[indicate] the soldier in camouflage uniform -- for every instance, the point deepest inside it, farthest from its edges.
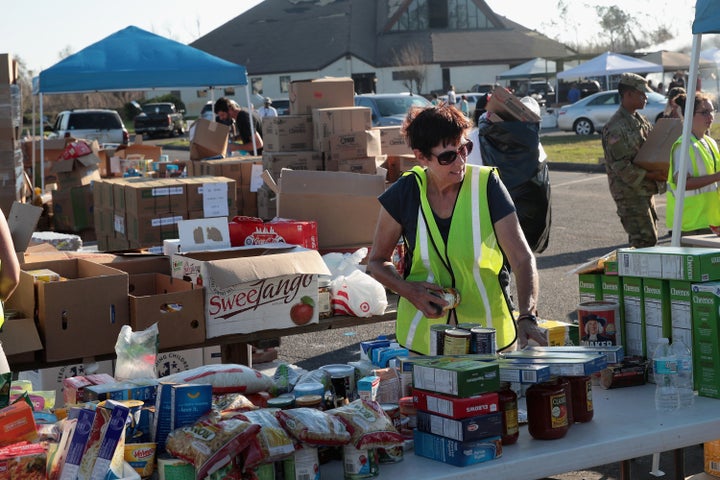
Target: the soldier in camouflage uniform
(631, 186)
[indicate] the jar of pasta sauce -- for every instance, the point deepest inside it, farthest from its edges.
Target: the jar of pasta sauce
(507, 399)
(582, 401)
(547, 406)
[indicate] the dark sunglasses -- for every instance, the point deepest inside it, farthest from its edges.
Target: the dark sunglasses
(446, 158)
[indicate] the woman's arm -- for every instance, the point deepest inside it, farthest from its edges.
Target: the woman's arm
(380, 266)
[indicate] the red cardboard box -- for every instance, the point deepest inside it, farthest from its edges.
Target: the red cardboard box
(253, 231)
(454, 407)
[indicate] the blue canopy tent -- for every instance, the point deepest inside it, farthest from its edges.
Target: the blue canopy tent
(707, 20)
(135, 59)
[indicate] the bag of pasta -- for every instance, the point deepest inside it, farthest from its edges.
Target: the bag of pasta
(273, 441)
(368, 424)
(313, 427)
(210, 441)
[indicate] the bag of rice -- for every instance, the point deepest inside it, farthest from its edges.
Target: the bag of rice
(368, 424)
(313, 427)
(225, 378)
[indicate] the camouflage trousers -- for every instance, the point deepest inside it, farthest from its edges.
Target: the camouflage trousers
(639, 219)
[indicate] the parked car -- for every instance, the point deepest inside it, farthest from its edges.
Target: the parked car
(472, 98)
(105, 126)
(587, 88)
(590, 114)
(207, 111)
(282, 105)
(389, 109)
(160, 118)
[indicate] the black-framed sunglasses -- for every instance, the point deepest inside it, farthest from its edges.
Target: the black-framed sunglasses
(446, 158)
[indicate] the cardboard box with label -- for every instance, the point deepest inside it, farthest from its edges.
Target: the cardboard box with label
(91, 302)
(255, 288)
(210, 139)
(52, 378)
(174, 304)
(392, 141)
(276, 161)
(211, 196)
(76, 172)
(509, 107)
(346, 146)
(305, 95)
(655, 152)
(328, 122)
(253, 231)
(365, 165)
(344, 205)
(287, 133)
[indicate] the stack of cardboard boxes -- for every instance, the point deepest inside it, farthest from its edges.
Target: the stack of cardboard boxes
(12, 180)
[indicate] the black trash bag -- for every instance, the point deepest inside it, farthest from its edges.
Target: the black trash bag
(512, 147)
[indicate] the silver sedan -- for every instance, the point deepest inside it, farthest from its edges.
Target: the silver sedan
(590, 114)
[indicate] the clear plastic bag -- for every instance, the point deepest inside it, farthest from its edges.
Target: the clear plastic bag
(136, 353)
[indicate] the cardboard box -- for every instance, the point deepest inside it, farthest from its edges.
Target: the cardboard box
(392, 142)
(174, 304)
(151, 197)
(344, 205)
(454, 407)
(694, 264)
(148, 152)
(275, 162)
(681, 311)
(255, 288)
(178, 406)
(509, 107)
(149, 230)
(91, 303)
(210, 139)
(287, 133)
(457, 377)
(239, 169)
(306, 95)
(328, 122)
(590, 287)
(73, 209)
(706, 338)
(633, 315)
(177, 361)
(213, 196)
(464, 430)
(654, 154)
(364, 165)
(561, 363)
(8, 68)
(453, 452)
(522, 373)
(346, 146)
(656, 299)
(253, 231)
(20, 340)
(76, 172)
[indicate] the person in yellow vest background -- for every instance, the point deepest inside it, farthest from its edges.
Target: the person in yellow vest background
(701, 204)
(9, 276)
(456, 221)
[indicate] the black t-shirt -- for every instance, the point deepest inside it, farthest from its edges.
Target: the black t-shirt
(242, 127)
(402, 201)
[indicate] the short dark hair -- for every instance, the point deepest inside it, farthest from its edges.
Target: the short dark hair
(223, 104)
(425, 127)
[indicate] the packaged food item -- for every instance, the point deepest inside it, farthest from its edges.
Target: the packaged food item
(273, 443)
(368, 424)
(313, 427)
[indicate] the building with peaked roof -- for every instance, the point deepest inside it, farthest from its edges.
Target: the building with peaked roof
(384, 45)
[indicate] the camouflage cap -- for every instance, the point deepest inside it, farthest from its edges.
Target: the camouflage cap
(635, 81)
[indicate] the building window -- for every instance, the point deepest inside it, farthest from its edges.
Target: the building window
(201, 93)
(229, 91)
(256, 85)
(442, 14)
(284, 83)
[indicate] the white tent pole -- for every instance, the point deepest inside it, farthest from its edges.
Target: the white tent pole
(684, 154)
(250, 118)
(32, 142)
(42, 149)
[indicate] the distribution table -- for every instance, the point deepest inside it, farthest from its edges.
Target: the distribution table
(625, 426)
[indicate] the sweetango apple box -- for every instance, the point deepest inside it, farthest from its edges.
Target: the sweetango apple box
(248, 289)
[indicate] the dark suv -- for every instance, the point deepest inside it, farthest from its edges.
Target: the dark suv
(105, 126)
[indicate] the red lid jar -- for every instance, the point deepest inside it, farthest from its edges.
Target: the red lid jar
(547, 409)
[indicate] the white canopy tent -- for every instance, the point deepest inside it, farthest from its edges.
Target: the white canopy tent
(608, 64)
(707, 20)
(134, 59)
(535, 68)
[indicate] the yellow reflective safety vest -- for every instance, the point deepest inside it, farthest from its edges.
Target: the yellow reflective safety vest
(470, 261)
(701, 206)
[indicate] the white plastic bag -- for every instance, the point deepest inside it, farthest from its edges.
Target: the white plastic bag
(358, 294)
(136, 353)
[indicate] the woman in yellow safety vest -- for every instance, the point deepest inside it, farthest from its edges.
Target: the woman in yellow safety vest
(456, 222)
(701, 204)
(9, 277)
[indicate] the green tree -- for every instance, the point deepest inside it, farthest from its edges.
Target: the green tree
(620, 27)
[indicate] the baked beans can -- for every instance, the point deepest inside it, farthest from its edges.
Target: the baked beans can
(482, 340)
(359, 462)
(456, 342)
(437, 337)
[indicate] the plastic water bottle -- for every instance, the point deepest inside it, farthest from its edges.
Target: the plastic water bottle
(684, 381)
(667, 398)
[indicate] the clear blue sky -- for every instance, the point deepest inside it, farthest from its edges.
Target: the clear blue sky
(39, 33)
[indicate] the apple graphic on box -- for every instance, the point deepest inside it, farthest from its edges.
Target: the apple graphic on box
(301, 313)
